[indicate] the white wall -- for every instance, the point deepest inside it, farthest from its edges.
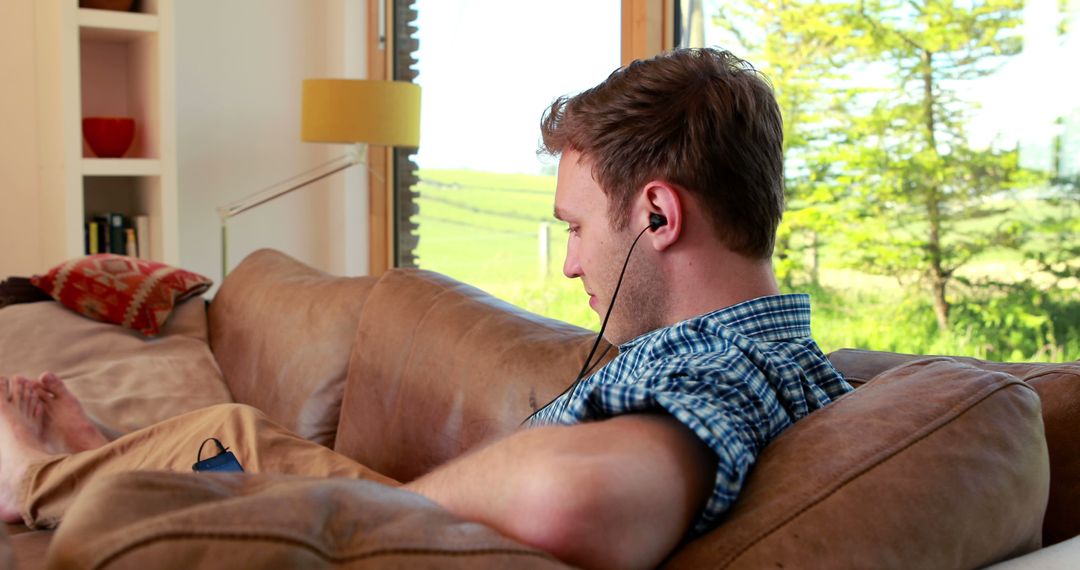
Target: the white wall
(240, 65)
(239, 70)
(20, 253)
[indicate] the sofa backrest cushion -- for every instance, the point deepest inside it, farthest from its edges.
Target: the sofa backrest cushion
(936, 464)
(441, 366)
(125, 380)
(1058, 386)
(282, 332)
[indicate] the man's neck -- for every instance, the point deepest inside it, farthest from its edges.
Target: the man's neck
(699, 285)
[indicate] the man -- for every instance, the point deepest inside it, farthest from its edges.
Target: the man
(680, 155)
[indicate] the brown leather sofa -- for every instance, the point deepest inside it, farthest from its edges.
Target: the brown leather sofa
(931, 463)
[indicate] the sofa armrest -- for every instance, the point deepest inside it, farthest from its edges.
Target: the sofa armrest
(281, 333)
(440, 366)
(934, 464)
(1058, 385)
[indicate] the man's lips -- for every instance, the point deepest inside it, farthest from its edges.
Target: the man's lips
(592, 298)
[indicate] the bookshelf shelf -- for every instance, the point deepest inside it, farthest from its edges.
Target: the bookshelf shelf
(121, 167)
(105, 25)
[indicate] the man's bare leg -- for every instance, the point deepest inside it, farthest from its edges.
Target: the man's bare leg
(20, 442)
(65, 426)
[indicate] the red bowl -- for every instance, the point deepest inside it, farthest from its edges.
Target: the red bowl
(109, 137)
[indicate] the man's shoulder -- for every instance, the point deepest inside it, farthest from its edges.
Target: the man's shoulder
(716, 352)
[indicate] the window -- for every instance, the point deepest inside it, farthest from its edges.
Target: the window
(932, 157)
(475, 200)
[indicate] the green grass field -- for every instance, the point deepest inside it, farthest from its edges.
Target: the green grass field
(484, 229)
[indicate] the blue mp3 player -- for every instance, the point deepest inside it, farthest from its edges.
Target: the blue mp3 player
(223, 462)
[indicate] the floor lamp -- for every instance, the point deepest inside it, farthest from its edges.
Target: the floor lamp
(354, 111)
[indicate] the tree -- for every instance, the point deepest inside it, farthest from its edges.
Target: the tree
(875, 130)
(1053, 236)
(930, 200)
(804, 48)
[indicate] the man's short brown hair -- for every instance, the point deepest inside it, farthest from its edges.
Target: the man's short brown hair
(701, 119)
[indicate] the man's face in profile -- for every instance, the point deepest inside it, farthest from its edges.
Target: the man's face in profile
(595, 251)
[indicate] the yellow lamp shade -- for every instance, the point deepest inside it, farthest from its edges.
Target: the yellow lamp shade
(353, 110)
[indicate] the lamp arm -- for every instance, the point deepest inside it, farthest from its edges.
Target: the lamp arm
(355, 155)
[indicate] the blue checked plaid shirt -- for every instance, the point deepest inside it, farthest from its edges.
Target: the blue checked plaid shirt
(736, 377)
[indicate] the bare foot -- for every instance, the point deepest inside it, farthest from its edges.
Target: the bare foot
(23, 396)
(66, 428)
(20, 442)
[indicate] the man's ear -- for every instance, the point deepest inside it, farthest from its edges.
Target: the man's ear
(665, 199)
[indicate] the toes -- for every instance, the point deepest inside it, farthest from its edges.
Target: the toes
(43, 394)
(21, 393)
(31, 397)
(5, 389)
(52, 383)
(18, 391)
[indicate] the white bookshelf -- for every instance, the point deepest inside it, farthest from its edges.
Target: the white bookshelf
(121, 167)
(108, 25)
(112, 64)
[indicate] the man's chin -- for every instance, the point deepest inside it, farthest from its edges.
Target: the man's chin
(614, 334)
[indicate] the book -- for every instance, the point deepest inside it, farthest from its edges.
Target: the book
(142, 236)
(130, 249)
(117, 238)
(92, 232)
(102, 222)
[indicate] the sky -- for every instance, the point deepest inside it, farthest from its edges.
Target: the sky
(489, 68)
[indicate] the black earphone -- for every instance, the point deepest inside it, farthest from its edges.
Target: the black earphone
(656, 221)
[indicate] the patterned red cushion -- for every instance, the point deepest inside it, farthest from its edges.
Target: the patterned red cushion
(133, 293)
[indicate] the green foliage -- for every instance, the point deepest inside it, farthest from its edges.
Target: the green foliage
(802, 49)
(1013, 323)
(875, 130)
(982, 257)
(1052, 236)
(920, 179)
(484, 234)
(483, 228)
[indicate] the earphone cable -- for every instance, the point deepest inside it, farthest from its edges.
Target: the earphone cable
(589, 365)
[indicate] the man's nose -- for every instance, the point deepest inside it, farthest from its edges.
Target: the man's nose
(571, 268)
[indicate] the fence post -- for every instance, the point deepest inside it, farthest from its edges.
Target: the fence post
(542, 239)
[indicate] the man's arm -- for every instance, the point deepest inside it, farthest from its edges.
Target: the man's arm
(616, 493)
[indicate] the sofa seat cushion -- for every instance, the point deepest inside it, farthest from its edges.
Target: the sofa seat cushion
(30, 549)
(175, 520)
(125, 380)
(1058, 385)
(282, 333)
(935, 464)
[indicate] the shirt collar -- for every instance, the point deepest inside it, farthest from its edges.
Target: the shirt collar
(768, 318)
